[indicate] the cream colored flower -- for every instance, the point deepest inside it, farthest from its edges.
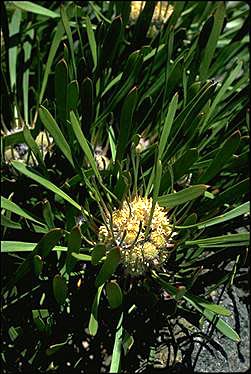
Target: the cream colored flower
(43, 140)
(141, 246)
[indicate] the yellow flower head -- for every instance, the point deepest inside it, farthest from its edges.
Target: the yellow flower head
(145, 241)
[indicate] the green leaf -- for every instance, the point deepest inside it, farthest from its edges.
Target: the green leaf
(86, 96)
(98, 252)
(34, 147)
(81, 256)
(51, 125)
(42, 248)
(38, 316)
(112, 142)
(72, 95)
(44, 182)
(191, 219)
(111, 42)
(236, 212)
(130, 66)
(231, 194)
(117, 347)
(221, 158)
(7, 222)
(182, 197)
(122, 185)
(184, 120)
(221, 325)
(74, 244)
(48, 214)
(123, 9)
(167, 125)
(61, 82)
(130, 74)
(14, 26)
(220, 94)
(27, 55)
(182, 164)
(109, 266)
(212, 41)
(52, 349)
(37, 265)
(48, 242)
(127, 342)
(14, 208)
(92, 41)
(15, 138)
(67, 27)
(14, 332)
(157, 179)
(83, 144)
(180, 167)
(126, 122)
(143, 22)
(215, 308)
(29, 6)
(240, 239)
(60, 289)
(93, 322)
(54, 46)
(114, 294)
(180, 292)
(192, 299)
(11, 246)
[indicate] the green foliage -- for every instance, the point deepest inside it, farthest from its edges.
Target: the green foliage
(128, 107)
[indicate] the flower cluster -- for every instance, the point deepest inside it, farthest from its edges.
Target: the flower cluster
(162, 12)
(145, 240)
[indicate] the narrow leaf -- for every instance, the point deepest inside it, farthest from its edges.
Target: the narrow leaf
(67, 27)
(212, 41)
(83, 143)
(117, 348)
(74, 244)
(51, 125)
(29, 6)
(61, 82)
(52, 349)
(236, 212)
(44, 182)
(60, 289)
(126, 122)
(97, 253)
(167, 125)
(182, 197)
(34, 147)
(93, 322)
(38, 265)
(92, 41)
(109, 266)
(42, 248)
(238, 239)
(12, 247)
(81, 256)
(54, 46)
(114, 294)
(127, 342)
(14, 208)
(222, 157)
